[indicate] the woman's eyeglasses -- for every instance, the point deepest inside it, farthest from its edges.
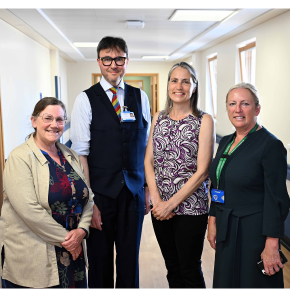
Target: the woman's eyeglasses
(47, 118)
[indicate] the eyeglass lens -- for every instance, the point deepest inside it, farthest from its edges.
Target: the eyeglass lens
(107, 61)
(47, 118)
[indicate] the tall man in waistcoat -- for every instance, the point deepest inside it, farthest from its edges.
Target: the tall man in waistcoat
(112, 151)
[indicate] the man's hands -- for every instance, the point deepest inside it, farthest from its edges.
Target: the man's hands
(73, 242)
(96, 219)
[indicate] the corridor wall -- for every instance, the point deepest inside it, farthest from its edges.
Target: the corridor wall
(272, 75)
(25, 73)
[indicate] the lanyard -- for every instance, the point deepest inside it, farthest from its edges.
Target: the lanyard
(226, 154)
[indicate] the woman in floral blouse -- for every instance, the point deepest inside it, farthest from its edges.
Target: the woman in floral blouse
(47, 208)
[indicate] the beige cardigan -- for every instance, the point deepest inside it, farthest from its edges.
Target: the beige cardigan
(27, 230)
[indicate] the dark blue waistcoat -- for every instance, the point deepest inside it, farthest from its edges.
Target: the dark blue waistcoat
(117, 149)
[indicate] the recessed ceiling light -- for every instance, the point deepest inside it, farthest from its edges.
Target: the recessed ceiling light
(155, 56)
(85, 45)
(200, 15)
(134, 24)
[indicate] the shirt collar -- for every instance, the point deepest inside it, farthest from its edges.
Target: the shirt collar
(106, 85)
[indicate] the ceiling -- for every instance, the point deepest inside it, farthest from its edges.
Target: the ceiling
(60, 28)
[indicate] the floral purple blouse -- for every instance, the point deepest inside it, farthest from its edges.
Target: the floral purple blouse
(175, 151)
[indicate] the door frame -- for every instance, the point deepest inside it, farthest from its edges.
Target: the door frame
(154, 81)
(2, 154)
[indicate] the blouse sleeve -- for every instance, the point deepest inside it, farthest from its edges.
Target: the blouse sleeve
(276, 198)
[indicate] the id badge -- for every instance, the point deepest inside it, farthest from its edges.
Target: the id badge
(217, 196)
(127, 116)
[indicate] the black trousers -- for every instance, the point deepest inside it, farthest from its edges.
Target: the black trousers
(181, 243)
(122, 220)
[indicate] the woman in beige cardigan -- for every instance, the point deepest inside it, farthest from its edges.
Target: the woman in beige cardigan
(47, 208)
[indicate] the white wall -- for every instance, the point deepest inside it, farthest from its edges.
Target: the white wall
(79, 79)
(63, 73)
(80, 76)
(24, 73)
(272, 75)
(63, 64)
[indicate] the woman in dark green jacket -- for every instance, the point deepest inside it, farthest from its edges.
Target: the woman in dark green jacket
(249, 198)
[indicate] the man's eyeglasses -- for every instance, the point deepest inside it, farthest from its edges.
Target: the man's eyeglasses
(107, 60)
(47, 118)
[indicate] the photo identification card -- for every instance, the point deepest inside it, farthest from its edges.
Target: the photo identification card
(217, 196)
(127, 116)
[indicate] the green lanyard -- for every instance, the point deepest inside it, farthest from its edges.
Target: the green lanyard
(226, 154)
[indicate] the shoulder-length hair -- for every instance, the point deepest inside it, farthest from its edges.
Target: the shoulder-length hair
(194, 98)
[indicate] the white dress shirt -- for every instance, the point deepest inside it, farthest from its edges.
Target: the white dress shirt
(81, 116)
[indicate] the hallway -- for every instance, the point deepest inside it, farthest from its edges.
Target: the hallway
(250, 45)
(152, 267)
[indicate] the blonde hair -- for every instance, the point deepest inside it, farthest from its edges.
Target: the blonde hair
(248, 86)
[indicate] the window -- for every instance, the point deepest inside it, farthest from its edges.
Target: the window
(247, 57)
(212, 67)
(246, 65)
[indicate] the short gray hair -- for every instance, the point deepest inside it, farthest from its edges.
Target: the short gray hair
(248, 86)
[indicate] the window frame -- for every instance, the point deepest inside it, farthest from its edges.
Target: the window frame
(242, 49)
(215, 57)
